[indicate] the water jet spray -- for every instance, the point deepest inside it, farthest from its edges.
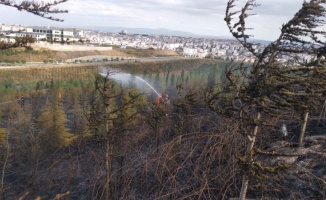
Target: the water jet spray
(125, 78)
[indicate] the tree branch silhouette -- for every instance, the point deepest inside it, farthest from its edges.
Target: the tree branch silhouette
(44, 10)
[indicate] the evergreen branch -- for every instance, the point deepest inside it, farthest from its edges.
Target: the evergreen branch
(36, 8)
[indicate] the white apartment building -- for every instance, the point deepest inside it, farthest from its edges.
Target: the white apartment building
(8, 40)
(40, 37)
(202, 53)
(221, 52)
(6, 27)
(172, 46)
(78, 32)
(10, 37)
(190, 52)
(57, 34)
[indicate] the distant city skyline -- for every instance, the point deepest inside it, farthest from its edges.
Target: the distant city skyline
(203, 17)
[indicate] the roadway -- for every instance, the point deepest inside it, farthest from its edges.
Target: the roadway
(132, 60)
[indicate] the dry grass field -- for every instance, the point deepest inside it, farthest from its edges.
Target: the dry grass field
(38, 55)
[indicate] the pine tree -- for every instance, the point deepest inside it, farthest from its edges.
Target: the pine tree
(3, 135)
(132, 103)
(107, 117)
(167, 71)
(52, 122)
(172, 80)
(157, 82)
(184, 110)
(182, 76)
(3, 132)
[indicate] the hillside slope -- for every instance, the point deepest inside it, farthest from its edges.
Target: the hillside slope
(38, 55)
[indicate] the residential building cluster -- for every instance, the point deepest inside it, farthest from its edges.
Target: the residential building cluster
(42, 34)
(186, 46)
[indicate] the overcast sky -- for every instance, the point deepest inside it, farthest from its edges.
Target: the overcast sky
(203, 17)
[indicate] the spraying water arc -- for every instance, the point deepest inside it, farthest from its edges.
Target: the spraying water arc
(148, 85)
(125, 77)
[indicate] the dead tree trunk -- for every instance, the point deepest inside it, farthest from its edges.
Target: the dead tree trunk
(249, 158)
(303, 126)
(108, 161)
(4, 167)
